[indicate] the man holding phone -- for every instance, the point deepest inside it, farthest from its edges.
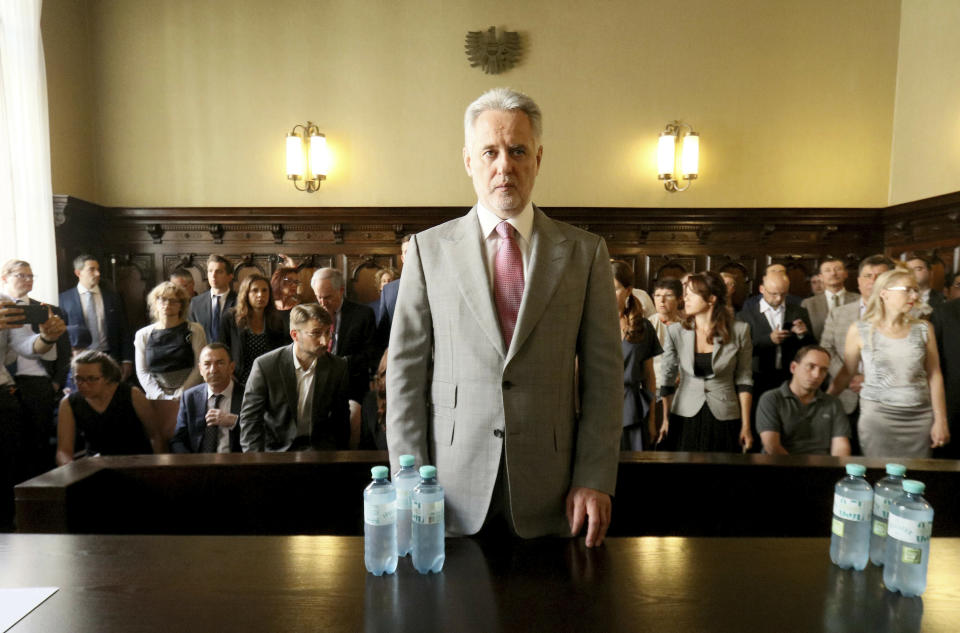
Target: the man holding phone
(21, 340)
(38, 381)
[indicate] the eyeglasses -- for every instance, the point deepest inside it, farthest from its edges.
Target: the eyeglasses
(291, 282)
(908, 289)
(91, 379)
(24, 276)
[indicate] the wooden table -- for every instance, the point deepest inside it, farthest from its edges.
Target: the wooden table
(318, 583)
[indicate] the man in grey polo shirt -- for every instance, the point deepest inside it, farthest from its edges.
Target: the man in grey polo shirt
(797, 418)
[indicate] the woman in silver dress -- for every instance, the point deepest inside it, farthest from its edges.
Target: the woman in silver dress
(903, 411)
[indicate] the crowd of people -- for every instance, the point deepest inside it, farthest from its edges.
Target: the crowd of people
(836, 373)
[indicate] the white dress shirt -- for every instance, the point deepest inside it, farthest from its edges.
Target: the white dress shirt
(223, 443)
(775, 318)
(305, 377)
(522, 223)
(101, 344)
(19, 340)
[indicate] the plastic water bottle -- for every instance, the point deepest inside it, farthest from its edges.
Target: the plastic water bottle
(380, 523)
(884, 493)
(852, 510)
(405, 481)
(908, 541)
(428, 526)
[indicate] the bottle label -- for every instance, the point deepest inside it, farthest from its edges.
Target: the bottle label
(909, 531)
(403, 499)
(879, 527)
(851, 509)
(837, 527)
(911, 555)
(429, 513)
(881, 506)
(380, 513)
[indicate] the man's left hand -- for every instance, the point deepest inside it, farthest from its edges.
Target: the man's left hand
(799, 328)
(593, 505)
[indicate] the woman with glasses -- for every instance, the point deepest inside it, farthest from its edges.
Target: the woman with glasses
(903, 411)
(166, 353)
(254, 326)
(111, 417)
(285, 284)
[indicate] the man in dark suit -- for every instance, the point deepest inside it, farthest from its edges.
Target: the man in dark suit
(778, 330)
(946, 327)
(373, 434)
(95, 315)
(354, 338)
(207, 421)
(207, 307)
(39, 381)
(296, 396)
(754, 300)
(920, 265)
(388, 299)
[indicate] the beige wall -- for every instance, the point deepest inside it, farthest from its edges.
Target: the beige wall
(793, 101)
(925, 160)
(67, 50)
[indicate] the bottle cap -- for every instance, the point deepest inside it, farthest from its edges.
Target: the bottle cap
(379, 472)
(856, 470)
(428, 472)
(913, 486)
(897, 470)
(406, 461)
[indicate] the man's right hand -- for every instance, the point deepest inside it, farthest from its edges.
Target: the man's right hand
(856, 383)
(779, 336)
(11, 317)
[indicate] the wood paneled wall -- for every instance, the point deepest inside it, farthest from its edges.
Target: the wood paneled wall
(140, 247)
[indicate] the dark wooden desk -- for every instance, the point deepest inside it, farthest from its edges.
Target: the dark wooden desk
(318, 583)
(658, 494)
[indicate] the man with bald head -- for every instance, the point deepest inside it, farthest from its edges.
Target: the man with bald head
(753, 301)
(778, 329)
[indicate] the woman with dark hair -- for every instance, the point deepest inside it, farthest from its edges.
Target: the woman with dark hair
(712, 355)
(113, 418)
(640, 344)
(284, 283)
(254, 326)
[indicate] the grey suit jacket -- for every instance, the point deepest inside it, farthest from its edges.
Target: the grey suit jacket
(457, 398)
(268, 418)
(834, 339)
(818, 309)
(732, 365)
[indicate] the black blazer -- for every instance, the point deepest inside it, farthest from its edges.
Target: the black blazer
(119, 339)
(946, 328)
(764, 351)
(191, 419)
(277, 328)
(202, 313)
(357, 343)
(268, 419)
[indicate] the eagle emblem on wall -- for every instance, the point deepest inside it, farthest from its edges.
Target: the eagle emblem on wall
(493, 54)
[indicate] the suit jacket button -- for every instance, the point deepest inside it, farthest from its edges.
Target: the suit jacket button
(498, 433)
(507, 384)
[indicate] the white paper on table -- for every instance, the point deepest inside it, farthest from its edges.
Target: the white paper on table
(17, 603)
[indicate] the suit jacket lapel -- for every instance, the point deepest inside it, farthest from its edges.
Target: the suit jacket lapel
(549, 253)
(465, 252)
(200, 401)
(717, 345)
(689, 342)
(320, 378)
(288, 378)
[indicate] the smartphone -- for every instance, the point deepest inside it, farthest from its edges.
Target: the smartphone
(34, 314)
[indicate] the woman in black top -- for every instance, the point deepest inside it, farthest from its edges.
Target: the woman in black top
(254, 326)
(112, 418)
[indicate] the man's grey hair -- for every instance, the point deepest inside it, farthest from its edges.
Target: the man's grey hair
(334, 275)
(504, 100)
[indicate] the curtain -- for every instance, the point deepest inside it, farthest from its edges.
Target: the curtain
(26, 192)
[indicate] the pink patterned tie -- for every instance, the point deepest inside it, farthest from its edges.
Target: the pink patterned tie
(508, 281)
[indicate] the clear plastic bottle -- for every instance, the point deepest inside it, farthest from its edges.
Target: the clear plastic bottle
(885, 492)
(852, 510)
(428, 525)
(405, 481)
(908, 541)
(380, 523)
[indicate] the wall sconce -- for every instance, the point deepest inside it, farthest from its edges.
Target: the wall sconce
(668, 164)
(307, 157)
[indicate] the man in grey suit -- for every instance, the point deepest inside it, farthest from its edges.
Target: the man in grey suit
(835, 335)
(501, 316)
(833, 273)
(296, 396)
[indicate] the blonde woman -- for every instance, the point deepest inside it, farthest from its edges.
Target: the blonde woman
(166, 353)
(903, 411)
